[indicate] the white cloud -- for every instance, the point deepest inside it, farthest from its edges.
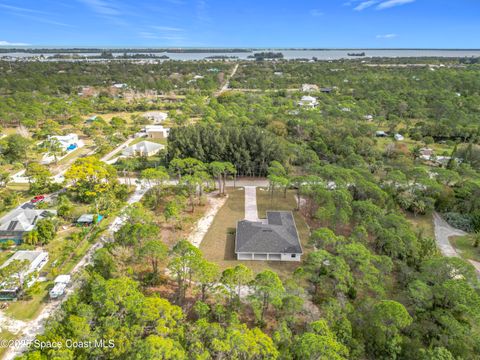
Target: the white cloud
(167, 28)
(387, 36)
(102, 7)
(316, 12)
(8, 43)
(365, 4)
(391, 3)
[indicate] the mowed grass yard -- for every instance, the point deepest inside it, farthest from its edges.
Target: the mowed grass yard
(218, 245)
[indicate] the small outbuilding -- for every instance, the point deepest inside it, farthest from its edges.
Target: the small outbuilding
(89, 219)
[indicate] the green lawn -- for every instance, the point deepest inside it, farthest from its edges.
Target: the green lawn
(464, 246)
(28, 309)
(219, 243)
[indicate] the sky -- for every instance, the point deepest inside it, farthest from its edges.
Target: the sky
(242, 23)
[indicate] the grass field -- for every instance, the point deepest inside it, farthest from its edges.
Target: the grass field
(464, 246)
(28, 309)
(219, 243)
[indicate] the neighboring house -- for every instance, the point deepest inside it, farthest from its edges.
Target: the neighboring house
(398, 137)
(157, 131)
(368, 117)
(157, 117)
(15, 224)
(67, 142)
(143, 148)
(275, 240)
(60, 284)
(120, 86)
(326, 90)
(309, 87)
(89, 219)
(9, 289)
(381, 133)
(308, 101)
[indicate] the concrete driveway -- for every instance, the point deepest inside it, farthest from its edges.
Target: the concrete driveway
(251, 213)
(443, 231)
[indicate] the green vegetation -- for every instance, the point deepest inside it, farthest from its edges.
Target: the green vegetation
(371, 283)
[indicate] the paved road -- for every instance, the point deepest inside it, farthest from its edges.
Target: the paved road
(36, 326)
(443, 231)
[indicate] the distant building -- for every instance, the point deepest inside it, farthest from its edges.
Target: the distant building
(35, 261)
(120, 86)
(143, 148)
(326, 90)
(16, 223)
(368, 117)
(309, 87)
(274, 240)
(157, 131)
(157, 117)
(399, 137)
(60, 284)
(381, 133)
(308, 101)
(67, 142)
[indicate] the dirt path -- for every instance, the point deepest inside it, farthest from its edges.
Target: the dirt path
(226, 86)
(197, 235)
(443, 231)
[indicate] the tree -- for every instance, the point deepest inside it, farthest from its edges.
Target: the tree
(236, 277)
(319, 343)
(4, 178)
(46, 230)
(53, 147)
(91, 177)
(207, 275)
(268, 289)
(16, 147)
(386, 321)
(154, 251)
(157, 177)
(39, 178)
(184, 262)
(13, 275)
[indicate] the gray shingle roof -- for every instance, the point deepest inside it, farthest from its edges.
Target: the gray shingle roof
(278, 235)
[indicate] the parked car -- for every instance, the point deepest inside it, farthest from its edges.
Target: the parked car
(38, 198)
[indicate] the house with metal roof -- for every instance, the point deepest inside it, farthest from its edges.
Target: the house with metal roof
(274, 239)
(143, 148)
(20, 221)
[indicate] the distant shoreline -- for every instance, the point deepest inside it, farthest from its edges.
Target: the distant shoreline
(77, 49)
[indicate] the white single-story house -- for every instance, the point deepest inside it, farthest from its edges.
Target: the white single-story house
(66, 141)
(60, 284)
(308, 101)
(143, 148)
(276, 239)
(20, 221)
(120, 86)
(309, 87)
(157, 131)
(157, 117)
(36, 260)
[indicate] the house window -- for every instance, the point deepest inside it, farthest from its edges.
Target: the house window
(294, 255)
